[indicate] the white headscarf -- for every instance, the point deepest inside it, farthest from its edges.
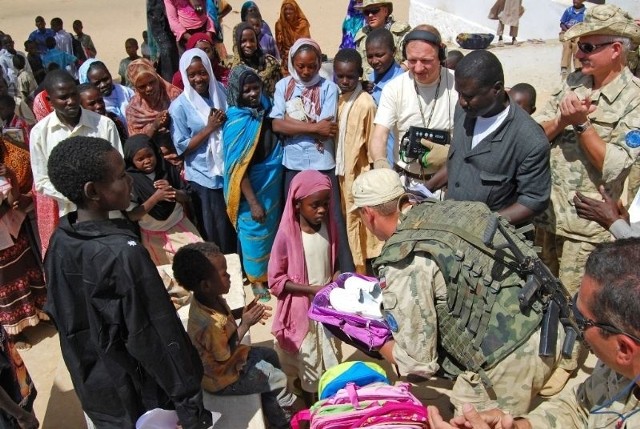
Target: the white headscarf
(204, 110)
(292, 71)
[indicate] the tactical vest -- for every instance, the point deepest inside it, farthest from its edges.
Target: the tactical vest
(481, 322)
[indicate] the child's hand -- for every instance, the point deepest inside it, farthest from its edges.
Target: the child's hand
(22, 203)
(326, 128)
(257, 213)
(162, 120)
(161, 184)
(165, 194)
(255, 313)
(315, 289)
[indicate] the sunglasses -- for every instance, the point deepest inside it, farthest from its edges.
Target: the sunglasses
(373, 11)
(584, 323)
(588, 48)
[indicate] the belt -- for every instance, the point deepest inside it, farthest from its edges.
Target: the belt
(401, 171)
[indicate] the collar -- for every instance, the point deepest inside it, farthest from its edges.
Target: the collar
(388, 75)
(610, 91)
(98, 228)
(55, 122)
(498, 135)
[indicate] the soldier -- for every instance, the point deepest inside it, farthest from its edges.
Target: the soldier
(592, 123)
(606, 312)
(452, 307)
(378, 14)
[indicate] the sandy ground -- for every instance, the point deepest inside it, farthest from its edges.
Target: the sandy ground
(110, 23)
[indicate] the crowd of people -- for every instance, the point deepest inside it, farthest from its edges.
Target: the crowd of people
(393, 165)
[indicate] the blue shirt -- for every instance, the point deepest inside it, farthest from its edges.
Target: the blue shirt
(300, 151)
(186, 123)
(379, 83)
(572, 16)
(40, 38)
(55, 55)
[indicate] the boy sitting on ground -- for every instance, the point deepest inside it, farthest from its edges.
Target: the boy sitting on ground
(230, 368)
(121, 339)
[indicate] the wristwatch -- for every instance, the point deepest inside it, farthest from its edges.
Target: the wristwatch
(581, 128)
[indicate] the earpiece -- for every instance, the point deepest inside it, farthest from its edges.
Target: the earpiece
(425, 36)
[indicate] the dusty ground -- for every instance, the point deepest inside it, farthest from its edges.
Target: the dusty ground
(110, 22)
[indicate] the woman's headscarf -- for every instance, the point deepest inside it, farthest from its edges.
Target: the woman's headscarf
(143, 187)
(221, 72)
(83, 71)
(239, 75)
(244, 10)
(294, 30)
(200, 105)
(287, 262)
(141, 111)
(239, 57)
(292, 71)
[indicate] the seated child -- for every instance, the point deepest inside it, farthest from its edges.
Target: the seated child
(230, 368)
(524, 95)
(303, 261)
(356, 111)
(159, 193)
(121, 339)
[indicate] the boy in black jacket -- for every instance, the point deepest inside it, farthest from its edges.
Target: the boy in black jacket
(121, 339)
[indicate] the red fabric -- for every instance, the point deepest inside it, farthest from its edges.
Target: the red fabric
(41, 106)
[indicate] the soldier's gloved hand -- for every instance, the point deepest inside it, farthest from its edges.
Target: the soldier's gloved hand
(435, 158)
(381, 163)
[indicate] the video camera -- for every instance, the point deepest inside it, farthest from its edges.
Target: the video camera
(410, 146)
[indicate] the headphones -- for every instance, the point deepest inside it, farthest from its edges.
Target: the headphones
(425, 36)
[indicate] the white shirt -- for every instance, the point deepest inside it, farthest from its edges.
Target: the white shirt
(46, 135)
(399, 106)
(317, 256)
(485, 126)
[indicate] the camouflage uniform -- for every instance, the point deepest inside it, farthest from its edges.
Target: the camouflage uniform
(398, 30)
(415, 292)
(575, 408)
(618, 112)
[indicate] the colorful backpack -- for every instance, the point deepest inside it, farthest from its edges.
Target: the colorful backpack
(377, 405)
(364, 333)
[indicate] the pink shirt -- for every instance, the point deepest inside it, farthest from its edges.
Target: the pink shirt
(182, 17)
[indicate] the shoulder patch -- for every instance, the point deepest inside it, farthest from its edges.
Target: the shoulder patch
(391, 321)
(632, 139)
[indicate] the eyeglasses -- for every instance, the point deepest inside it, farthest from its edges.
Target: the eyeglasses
(584, 323)
(373, 11)
(588, 48)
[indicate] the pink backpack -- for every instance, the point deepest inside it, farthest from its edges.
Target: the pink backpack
(365, 334)
(377, 405)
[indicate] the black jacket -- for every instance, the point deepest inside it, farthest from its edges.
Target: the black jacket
(121, 338)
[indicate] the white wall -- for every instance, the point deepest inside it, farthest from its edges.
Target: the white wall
(540, 20)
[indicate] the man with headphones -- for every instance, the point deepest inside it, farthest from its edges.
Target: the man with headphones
(422, 98)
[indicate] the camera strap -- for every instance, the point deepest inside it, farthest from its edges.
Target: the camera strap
(435, 100)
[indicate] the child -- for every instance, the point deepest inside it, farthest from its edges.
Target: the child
(230, 368)
(25, 82)
(9, 119)
(158, 191)
(525, 96)
(381, 50)
(145, 50)
(84, 39)
(35, 62)
(131, 46)
(453, 57)
(303, 261)
(356, 111)
(63, 59)
(267, 42)
(91, 99)
(304, 111)
(116, 97)
(571, 16)
(123, 343)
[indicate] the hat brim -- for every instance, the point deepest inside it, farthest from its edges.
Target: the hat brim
(379, 3)
(618, 29)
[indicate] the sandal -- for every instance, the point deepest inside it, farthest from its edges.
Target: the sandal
(261, 292)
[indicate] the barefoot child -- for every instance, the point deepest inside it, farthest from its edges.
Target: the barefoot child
(158, 191)
(303, 261)
(230, 368)
(123, 343)
(356, 110)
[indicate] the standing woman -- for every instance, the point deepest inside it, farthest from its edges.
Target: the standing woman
(147, 111)
(247, 51)
(304, 111)
(291, 26)
(196, 126)
(253, 174)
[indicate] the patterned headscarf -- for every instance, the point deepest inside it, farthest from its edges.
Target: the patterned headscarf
(237, 78)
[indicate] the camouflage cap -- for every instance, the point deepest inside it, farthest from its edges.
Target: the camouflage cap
(375, 187)
(368, 3)
(605, 19)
